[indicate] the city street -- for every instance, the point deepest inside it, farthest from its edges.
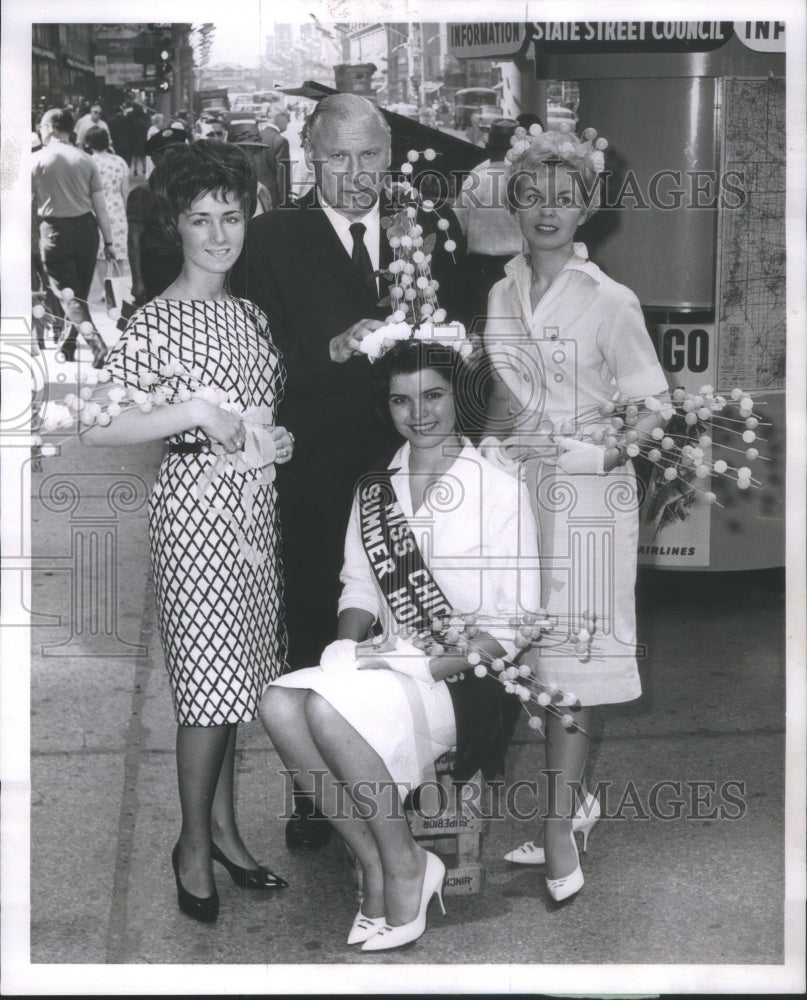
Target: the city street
(687, 868)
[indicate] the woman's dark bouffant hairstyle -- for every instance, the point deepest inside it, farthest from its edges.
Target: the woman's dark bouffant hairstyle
(186, 172)
(96, 139)
(408, 356)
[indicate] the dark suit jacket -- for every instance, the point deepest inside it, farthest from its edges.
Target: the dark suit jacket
(277, 158)
(295, 268)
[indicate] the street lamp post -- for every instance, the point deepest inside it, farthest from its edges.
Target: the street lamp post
(423, 47)
(408, 43)
(403, 45)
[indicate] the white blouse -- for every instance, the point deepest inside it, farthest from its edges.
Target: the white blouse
(477, 535)
(585, 340)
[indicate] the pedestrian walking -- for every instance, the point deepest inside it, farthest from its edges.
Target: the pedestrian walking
(121, 132)
(91, 120)
(115, 182)
(68, 197)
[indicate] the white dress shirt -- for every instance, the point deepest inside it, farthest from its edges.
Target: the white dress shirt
(372, 231)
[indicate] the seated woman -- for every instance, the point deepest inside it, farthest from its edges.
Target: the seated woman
(441, 531)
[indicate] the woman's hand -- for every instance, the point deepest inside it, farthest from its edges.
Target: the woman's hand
(339, 656)
(284, 445)
(580, 457)
(398, 655)
(509, 453)
(220, 425)
(493, 450)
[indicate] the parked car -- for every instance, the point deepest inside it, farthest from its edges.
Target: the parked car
(556, 113)
(482, 101)
(409, 110)
(488, 114)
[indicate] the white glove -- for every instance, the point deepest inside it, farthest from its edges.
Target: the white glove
(339, 656)
(493, 450)
(580, 457)
(403, 659)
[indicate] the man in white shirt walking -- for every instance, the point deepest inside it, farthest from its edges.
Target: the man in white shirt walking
(88, 121)
(68, 200)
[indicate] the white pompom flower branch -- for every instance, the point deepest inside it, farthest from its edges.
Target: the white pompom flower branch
(453, 635)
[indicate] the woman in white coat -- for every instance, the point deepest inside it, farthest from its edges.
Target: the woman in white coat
(441, 531)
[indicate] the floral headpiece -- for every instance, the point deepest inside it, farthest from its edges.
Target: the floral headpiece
(375, 345)
(586, 151)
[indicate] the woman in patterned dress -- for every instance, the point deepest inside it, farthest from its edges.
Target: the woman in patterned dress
(115, 180)
(212, 518)
(563, 340)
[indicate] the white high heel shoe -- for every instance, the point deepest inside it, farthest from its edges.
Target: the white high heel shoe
(394, 937)
(582, 822)
(564, 888)
(364, 927)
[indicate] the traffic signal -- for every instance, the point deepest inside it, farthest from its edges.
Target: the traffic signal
(164, 66)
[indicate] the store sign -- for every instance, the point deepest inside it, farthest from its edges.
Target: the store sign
(119, 74)
(685, 350)
(503, 39)
(761, 36)
(629, 36)
(486, 39)
(100, 66)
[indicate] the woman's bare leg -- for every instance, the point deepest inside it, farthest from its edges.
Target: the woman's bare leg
(566, 752)
(283, 716)
(350, 758)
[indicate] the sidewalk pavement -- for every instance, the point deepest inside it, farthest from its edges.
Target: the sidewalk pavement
(691, 890)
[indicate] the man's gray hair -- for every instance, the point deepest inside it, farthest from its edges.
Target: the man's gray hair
(343, 108)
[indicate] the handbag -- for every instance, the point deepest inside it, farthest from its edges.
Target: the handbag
(117, 287)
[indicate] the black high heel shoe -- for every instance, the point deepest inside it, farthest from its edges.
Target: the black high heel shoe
(248, 878)
(203, 908)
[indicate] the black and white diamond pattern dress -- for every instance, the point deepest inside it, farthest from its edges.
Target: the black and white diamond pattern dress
(220, 612)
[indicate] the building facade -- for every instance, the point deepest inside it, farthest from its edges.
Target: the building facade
(62, 65)
(112, 63)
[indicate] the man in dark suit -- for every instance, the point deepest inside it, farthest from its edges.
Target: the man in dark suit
(301, 265)
(278, 155)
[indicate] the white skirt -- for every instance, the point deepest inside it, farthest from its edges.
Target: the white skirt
(408, 722)
(589, 532)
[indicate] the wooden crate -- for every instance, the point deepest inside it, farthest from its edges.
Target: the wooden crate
(452, 832)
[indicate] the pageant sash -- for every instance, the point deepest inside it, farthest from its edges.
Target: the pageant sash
(485, 714)
(413, 596)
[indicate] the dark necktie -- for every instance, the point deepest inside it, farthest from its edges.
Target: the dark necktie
(361, 258)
